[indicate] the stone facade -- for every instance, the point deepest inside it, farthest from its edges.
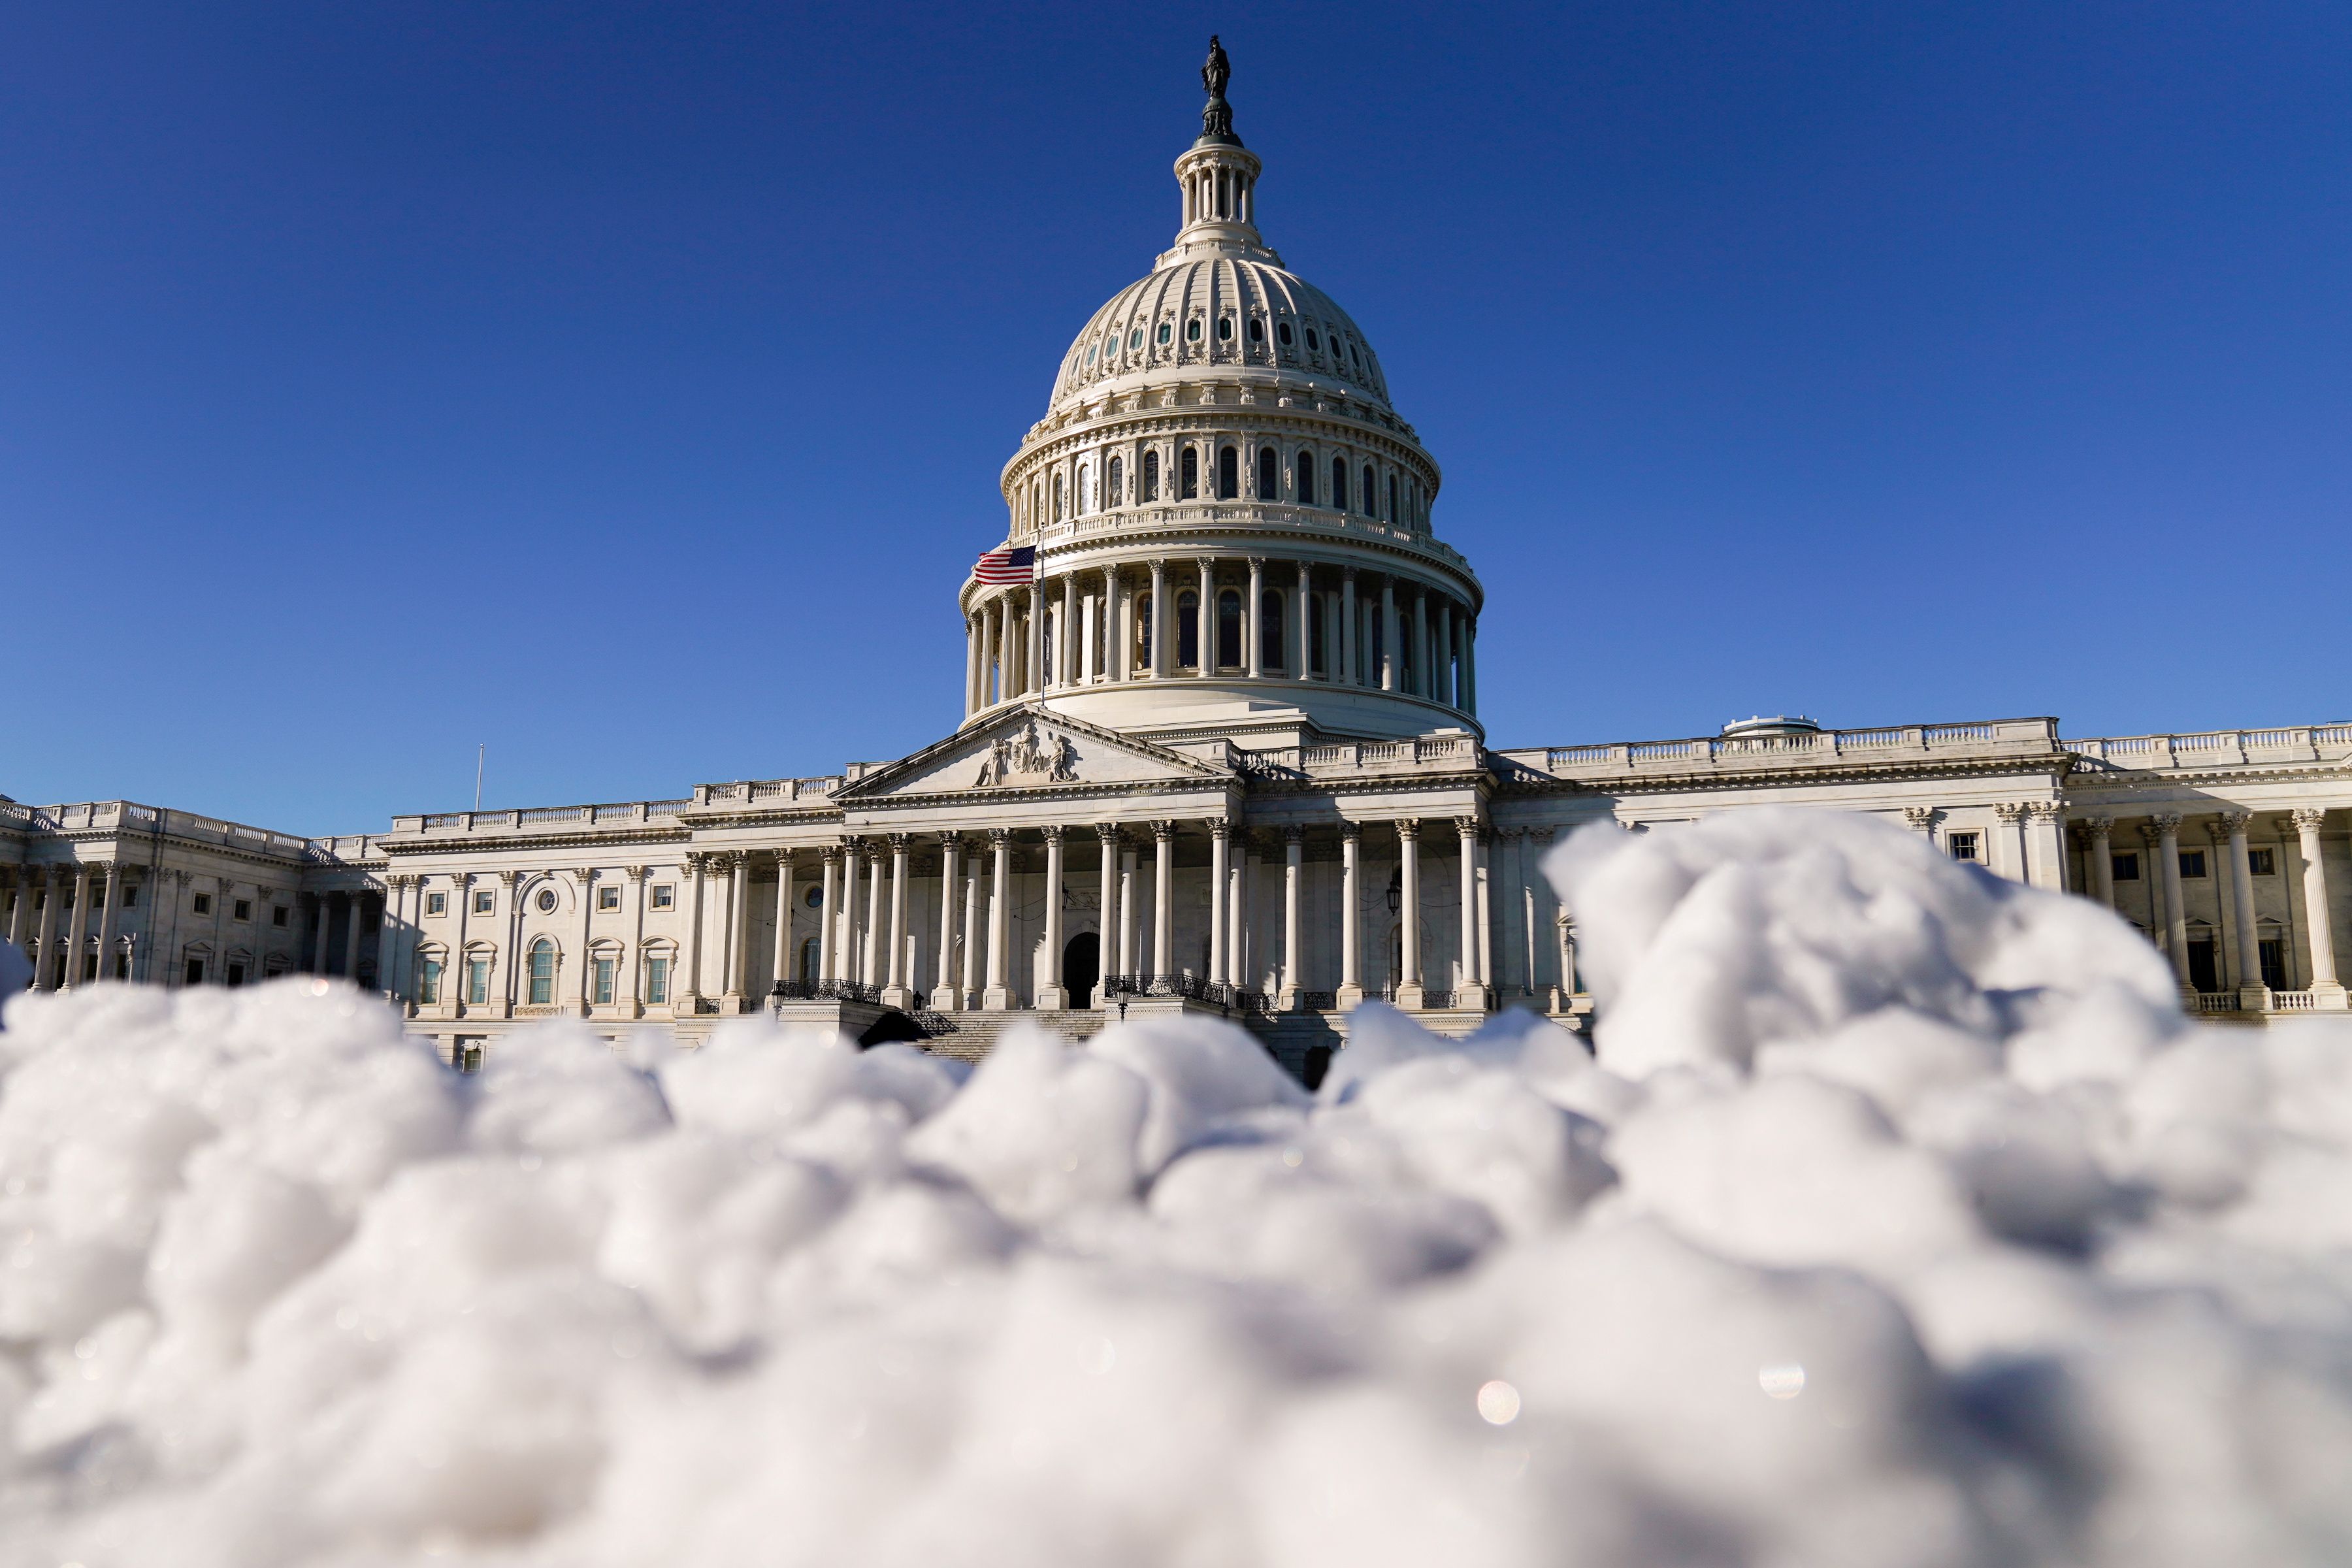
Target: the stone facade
(1220, 750)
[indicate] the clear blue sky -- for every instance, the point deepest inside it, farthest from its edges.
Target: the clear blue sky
(627, 386)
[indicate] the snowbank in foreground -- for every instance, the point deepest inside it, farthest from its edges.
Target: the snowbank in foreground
(1902, 1221)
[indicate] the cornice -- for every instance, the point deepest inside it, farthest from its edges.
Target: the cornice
(2150, 778)
(1688, 781)
(482, 847)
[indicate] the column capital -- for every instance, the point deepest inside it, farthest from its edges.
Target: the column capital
(1539, 834)
(784, 858)
(1293, 833)
(1109, 832)
(2236, 822)
(2308, 819)
(1354, 832)
(2011, 812)
(1219, 828)
(1163, 830)
(898, 842)
(1346, 574)
(2149, 832)
(1408, 828)
(586, 874)
(636, 873)
(1467, 827)
(2167, 821)
(1158, 566)
(2099, 827)
(999, 837)
(2047, 810)
(1053, 832)
(1257, 563)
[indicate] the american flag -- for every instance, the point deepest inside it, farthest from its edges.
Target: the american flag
(1010, 565)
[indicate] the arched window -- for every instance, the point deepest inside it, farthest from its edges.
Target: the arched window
(1315, 633)
(1086, 496)
(1188, 472)
(1229, 629)
(1306, 479)
(1339, 484)
(1057, 497)
(1188, 630)
(1269, 630)
(1394, 516)
(1229, 473)
(1116, 493)
(1141, 655)
(542, 972)
(1269, 475)
(1150, 476)
(1371, 495)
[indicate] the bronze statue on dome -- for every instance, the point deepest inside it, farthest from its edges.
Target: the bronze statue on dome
(1217, 118)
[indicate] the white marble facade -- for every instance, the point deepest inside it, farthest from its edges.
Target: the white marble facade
(1219, 748)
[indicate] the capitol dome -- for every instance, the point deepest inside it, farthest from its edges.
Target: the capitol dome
(1219, 531)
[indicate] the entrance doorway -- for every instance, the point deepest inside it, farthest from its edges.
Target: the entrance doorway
(1082, 967)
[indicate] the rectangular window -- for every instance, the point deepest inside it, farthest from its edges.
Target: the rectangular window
(122, 966)
(477, 981)
(542, 973)
(428, 982)
(204, 903)
(2193, 864)
(277, 916)
(665, 896)
(1964, 847)
(242, 909)
(131, 896)
(196, 976)
(486, 901)
(657, 980)
(2202, 975)
(435, 904)
(237, 975)
(2127, 868)
(2262, 862)
(2273, 960)
(89, 966)
(608, 897)
(603, 983)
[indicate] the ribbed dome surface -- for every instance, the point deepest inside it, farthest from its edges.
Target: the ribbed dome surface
(1242, 311)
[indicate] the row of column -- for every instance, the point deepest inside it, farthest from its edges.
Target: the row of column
(2228, 834)
(36, 909)
(1065, 632)
(40, 938)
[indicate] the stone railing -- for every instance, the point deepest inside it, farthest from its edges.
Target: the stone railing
(2314, 742)
(129, 817)
(1815, 748)
(1450, 751)
(534, 819)
(2293, 1002)
(2215, 1002)
(765, 789)
(1252, 515)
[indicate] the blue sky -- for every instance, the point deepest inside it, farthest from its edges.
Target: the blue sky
(626, 386)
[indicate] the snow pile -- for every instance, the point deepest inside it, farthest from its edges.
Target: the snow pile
(1902, 1221)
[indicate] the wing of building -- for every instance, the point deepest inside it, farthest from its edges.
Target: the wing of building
(1220, 750)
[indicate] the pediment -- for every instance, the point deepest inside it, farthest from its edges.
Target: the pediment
(1031, 749)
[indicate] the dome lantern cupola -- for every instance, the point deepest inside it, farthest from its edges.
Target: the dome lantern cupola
(1219, 178)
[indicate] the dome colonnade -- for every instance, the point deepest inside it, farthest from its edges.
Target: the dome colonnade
(1232, 523)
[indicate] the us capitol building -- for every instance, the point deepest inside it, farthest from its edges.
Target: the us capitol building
(1220, 751)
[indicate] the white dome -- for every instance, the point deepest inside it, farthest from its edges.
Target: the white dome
(1207, 312)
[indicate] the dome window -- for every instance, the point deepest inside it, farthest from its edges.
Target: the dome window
(1282, 330)
(1135, 340)
(1163, 332)
(1314, 344)
(1193, 331)
(1257, 330)
(1225, 329)
(1228, 474)
(1090, 356)
(1269, 475)
(1306, 479)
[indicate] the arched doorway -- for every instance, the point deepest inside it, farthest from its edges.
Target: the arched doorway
(1082, 967)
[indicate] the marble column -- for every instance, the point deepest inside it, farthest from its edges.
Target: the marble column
(697, 868)
(897, 989)
(998, 998)
(1419, 684)
(1252, 633)
(1442, 663)
(828, 910)
(1388, 648)
(2101, 857)
(1205, 620)
(2176, 916)
(1220, 857)
(1107, 949)
(20, 910)
(1007, 666)
(1157, 650)
(944, 995)
(782, 964)
(632, 1004)
(1302, 628)
(1163, 878)
(844, 949)
(1347, 672)
(1470, 664)
(974, 943)
(1235, 894)
(80, 929)
(110, 897)
(45, 970)
(1352, 983)
(1114, 644)
(1293, 869)
(870, 966)
(2326, 992)
(2253, 994)
(1470, 991)
(1130, 956)
(1408, 978)
(1032, 662)
(1069, 643)
(739, 920)
(389, 979)
(1053, 993)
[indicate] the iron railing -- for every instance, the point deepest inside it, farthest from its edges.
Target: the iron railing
(823, 991)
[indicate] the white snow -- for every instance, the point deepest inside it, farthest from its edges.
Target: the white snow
(1902, 1220)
